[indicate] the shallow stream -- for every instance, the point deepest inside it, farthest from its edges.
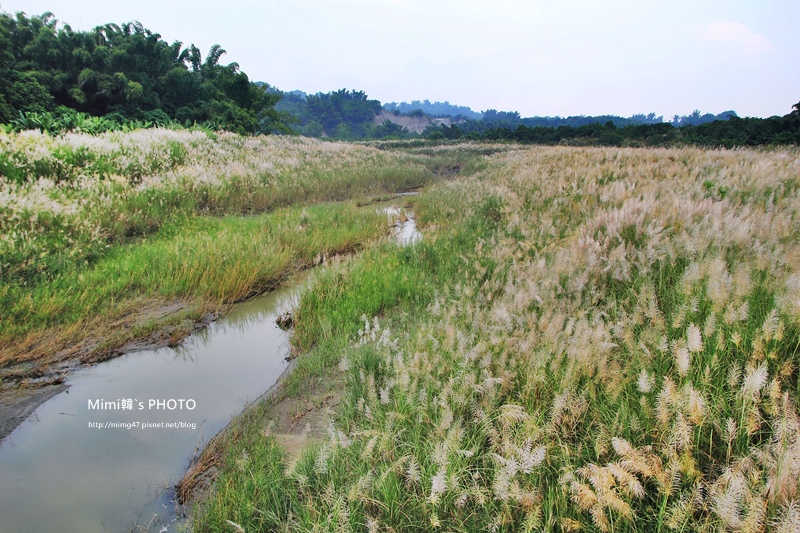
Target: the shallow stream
(84, 461)
(74, 467)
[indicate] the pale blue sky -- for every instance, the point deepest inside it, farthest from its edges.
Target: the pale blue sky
(539, 58)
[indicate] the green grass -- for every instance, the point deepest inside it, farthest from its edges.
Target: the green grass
(213, 261)
(561, 353)
(589, 339)
(395, 283)
(149, 178)
(109, 223)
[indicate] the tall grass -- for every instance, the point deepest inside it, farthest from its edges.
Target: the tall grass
(94, 227)
(613, 347)
(208, 261)
(79, 194)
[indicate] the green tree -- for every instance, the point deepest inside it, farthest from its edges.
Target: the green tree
(125, 71)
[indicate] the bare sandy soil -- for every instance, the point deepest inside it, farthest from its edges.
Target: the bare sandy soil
(17, 404)
(295, 423)
(415, 124)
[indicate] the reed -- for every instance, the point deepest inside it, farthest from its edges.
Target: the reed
(93, 228)
(601, 340)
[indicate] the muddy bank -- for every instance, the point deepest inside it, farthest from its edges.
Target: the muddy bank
(17, 404)
(44, 362)
(295, 422)
(128, 458)
(28, 384)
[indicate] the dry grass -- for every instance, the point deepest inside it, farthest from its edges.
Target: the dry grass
(617, 353)
(109, 226)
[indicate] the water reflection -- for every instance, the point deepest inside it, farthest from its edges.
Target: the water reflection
(70, 467)
(404, 225)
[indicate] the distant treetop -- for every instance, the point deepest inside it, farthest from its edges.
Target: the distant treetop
(434, 109)
(125, 72)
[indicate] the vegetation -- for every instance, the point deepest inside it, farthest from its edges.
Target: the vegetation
(495, 119)
(94, 227)
(435, 109)
(125, 77)
(123, 73)
(351, 115)
(594, 338)
(491, 118)
(719, 133)
(341, 114)
(587, 339)
(65, 119)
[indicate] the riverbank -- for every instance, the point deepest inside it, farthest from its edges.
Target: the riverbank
(295, 421)
(219, 369)
(598, 339)
(17, 404)
(186, 296)
(168, 324)
(138, 292)
(79, 245)
(127, 241)
(134, 455)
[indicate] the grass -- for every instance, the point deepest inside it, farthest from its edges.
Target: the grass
(383, 281)
(56, 220)
(219, 260)
(104, 225)
(588, 339)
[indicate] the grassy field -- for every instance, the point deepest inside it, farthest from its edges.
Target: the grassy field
(586, 339)
(100, 236)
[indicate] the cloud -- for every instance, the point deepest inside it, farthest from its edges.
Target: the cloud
(737, 34)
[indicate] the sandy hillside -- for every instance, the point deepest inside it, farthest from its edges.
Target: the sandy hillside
(415, 124)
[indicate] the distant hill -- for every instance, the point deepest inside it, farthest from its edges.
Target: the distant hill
(415, 122)
(350, 114)
(433, 109)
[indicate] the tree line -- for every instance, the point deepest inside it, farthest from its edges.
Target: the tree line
(124, 72)
(729, 133)
(342, 114)
(350, 114)
(54, 78)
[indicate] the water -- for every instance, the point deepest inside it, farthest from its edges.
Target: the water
(404, 225)
(72, 466)
(59, 474)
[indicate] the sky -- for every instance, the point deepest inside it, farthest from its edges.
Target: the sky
(540, 58)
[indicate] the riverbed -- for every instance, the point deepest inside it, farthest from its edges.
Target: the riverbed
(105, 454)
